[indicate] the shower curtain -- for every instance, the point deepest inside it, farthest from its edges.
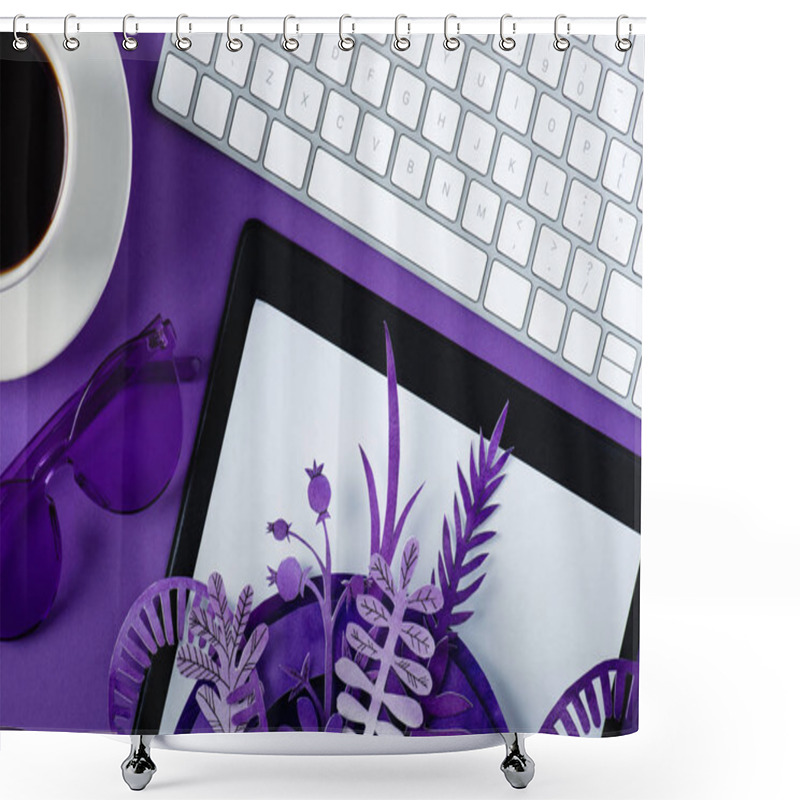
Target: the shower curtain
(321, 384)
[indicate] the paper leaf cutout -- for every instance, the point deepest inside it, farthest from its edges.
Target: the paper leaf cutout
(371, 610)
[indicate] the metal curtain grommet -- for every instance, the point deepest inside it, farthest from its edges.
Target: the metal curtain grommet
(401, 43)
(507, 42)
(70, 42)
(623, 42)
(561, 43)
(451, 42)
(129, 42)
(346, 43)
(233, 44)
(289, 43)
(182, 42)
(20, 42)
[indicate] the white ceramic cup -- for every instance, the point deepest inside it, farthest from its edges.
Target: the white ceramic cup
(24, 268)
(46, 299)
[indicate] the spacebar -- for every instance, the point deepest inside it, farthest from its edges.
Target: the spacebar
(398, 225)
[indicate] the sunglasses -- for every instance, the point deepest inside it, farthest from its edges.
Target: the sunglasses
(121, 434)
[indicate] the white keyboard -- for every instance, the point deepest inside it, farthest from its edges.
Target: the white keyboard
(510, 180)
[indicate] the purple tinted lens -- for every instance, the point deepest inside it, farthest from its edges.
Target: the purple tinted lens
(127, 436)
(30, 557)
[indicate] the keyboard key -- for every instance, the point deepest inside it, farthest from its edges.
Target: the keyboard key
(547, 188)
(586, 148)
(621, 353)
(551, 256)
(623, 304)
(637, 391)
(517, 53)
(234, 65)
(416, 51)
(516, 102)
(369, 78)
(339, 122)
(247, 129)
(580, 346)
(507, 295)
(405, 98)
(516, 234)
(586, 279)
(607, 46)
(550, 128)
(622, 170)
(305, 98)
(269, 77)
(480, 80)
(441, 120)
(306, 48)
(511, 165)
(444, 192)
(545, 61)
(547, 320)
(213, 104)
(375, 144)
(380, 38)
(637, 261)
(480, 212)
(177, 84)
(616, 233)
(609, 374)
(636, 63)
(202, 47)
(616, 365)
(410, 166)
(445, 65)
(616, 104)
(287, 154)
(583, 208)
(332, 60)
(583, 75)
(476, 142)
(637, 128)
(398, 225)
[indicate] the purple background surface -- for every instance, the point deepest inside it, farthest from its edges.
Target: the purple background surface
(187, 207)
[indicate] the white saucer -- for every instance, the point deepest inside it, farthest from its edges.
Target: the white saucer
(44, 311)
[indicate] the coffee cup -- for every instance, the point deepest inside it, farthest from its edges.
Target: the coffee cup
(37, 142)
(64, 200)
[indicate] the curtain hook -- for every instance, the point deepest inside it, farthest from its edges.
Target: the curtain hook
(507, 42)
(345, 42)
(623, 43)
(182, 42)
(451, 42)
(20, 42)
(561, 43)
(71, 43)
(289, 43)
(233, 44)
(129, 42)
(401, 43)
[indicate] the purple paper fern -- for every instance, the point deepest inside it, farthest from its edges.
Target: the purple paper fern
(454, 566)
(225, 659)
(417, 639)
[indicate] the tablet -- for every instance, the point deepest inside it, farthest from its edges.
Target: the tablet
(301, 385)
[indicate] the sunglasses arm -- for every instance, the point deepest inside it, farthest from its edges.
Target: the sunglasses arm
(188, 368)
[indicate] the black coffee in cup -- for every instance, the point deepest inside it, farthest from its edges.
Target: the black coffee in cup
(32, 149)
